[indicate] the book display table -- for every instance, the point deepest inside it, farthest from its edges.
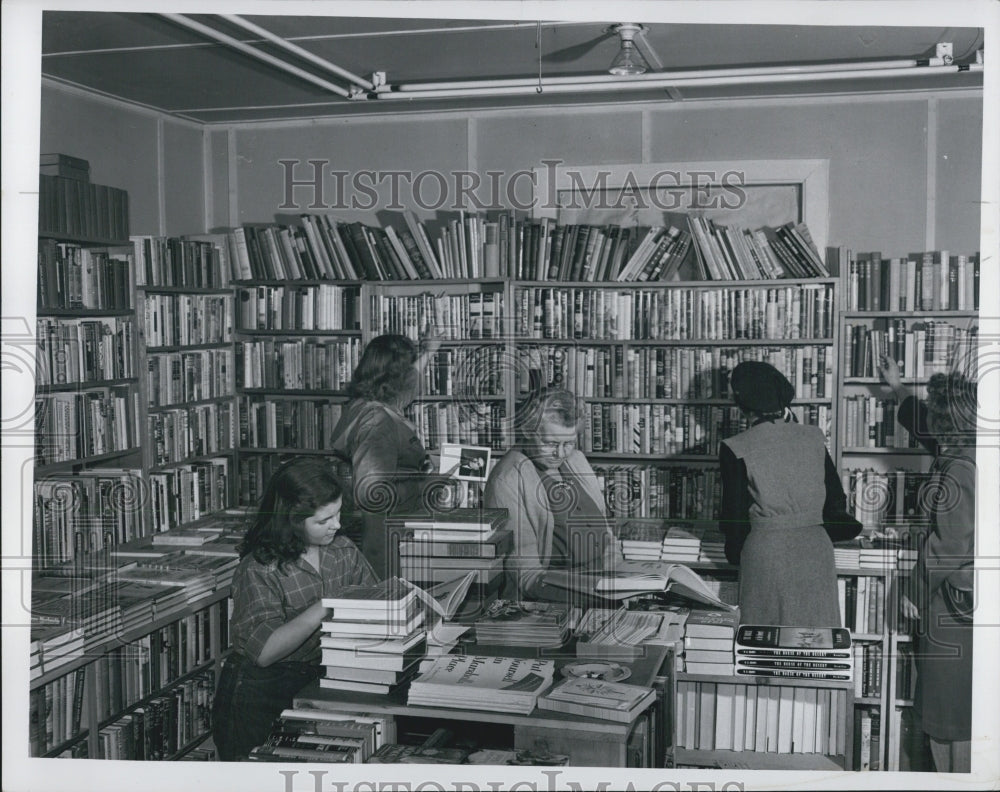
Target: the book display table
(587, 741)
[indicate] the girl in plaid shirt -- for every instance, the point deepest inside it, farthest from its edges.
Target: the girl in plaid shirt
(291, 557)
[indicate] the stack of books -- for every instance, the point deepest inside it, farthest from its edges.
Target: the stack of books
(510, 623)
(797, 652)
(682, 542)
(187, 537)
(498, 684)
(374, 637)
(197, 584)
(642, 539)
(315, 736)
(618, 634)
(595, 698)
(708, 642)
(713, 547)
(877, 557)
(438, 549)
(847, 556)
(53, 645)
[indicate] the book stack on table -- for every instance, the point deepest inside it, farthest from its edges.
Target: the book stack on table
(709, 637)
(374, 637)
(437, 549)
(478, 682)
(621, 634)
(538, 624)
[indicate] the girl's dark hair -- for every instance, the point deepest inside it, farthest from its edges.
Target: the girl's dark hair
(295, 491)
(385, 370)
(951, 408)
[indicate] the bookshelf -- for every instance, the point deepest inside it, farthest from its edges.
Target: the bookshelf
(297, 344)
(186, 353)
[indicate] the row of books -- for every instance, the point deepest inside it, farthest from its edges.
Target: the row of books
(177, 435)
(162, 726)
(919, 348)
(188, 492)
(729, 253)
(72, 277)
(868, 739)
(467, 423)
(84, 350)
(71, 426)
(897, 556)
(672, 428)
(182, 377)
(465, 371)
(878, 497)
(870, 422)
(665, 314)
(85, 512)
(286, 423)
(187, 319)
(474, 315)
(721, 716)
(304, 364)
(71, 207)
(666, 372)
(666, 492)
(929, 281)
(189, 262)
(320, 307)
(868, 663)
(55, 712)
(301, 735)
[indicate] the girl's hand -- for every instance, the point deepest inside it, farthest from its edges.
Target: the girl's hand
(889, 370)
(907, 608)
(430, 339)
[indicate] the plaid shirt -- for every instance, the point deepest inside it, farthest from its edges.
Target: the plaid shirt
(266, 597)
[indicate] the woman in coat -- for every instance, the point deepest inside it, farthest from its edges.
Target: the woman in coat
(942, 581)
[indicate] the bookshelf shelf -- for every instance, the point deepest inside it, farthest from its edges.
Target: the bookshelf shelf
(184, 289)
(286, 450)
(190, 460)
(160, 691)
(85, 241)
(885, 451)
(696, 342)
(753, 760)
(874, 700)
(689, 284)
(158, 408)
(72, 387)
(911, 314)
(162, 350)
(294, 282)
(296, 333)
(292, 392)
(83, 313)
(189, 747)
(83, 462)
(58, 749)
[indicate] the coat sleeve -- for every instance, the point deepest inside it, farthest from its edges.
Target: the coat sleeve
(525, 566)
(950, 547)
(840, 525)
(912, 416)
(734, 510)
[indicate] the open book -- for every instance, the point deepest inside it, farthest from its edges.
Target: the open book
(629, 578)
(447, 597)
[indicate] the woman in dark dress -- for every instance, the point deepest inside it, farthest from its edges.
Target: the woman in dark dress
(386, 462)
(942, 581)
(779, 488)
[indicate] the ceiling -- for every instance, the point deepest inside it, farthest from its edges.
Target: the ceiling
(153, 61)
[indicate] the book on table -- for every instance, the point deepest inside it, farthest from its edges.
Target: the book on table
(514, 623)
(375, 628)
(631, 578)
(495, 544)
(472, 520)
(502, 684)
(596, 698)
(391, 599)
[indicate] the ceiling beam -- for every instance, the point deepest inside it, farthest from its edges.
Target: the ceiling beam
(253, 52)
